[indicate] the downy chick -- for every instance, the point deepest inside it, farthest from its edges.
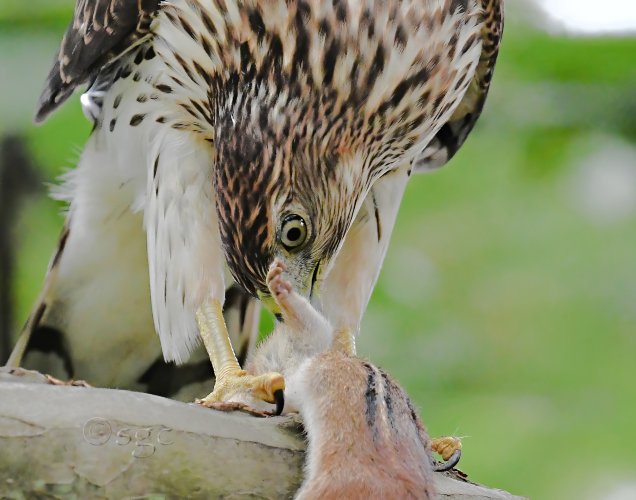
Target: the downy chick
(365, 439)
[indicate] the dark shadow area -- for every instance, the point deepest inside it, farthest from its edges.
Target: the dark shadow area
(18, 179)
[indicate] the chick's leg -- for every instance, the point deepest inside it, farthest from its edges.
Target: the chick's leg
(298, 314)
(230, 378)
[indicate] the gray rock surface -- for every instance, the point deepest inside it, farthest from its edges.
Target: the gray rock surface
(77, 442)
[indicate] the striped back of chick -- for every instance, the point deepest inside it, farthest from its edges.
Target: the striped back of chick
(365, 438)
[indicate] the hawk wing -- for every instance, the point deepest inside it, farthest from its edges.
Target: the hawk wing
(100, 31)
(94, 305)
(453, 134)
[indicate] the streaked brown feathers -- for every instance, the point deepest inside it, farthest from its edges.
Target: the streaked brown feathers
(453, 134)
(100, 31)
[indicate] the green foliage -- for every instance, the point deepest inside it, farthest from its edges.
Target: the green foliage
(39, 14)
(585, 60)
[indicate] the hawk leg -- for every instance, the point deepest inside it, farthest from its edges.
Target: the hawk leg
(230, 378)
(345, 341)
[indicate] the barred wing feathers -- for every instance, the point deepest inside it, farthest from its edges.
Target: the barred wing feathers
(455, 132)
(100, 31)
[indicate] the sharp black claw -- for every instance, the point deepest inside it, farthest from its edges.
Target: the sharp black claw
(279, 397)
(452, 462)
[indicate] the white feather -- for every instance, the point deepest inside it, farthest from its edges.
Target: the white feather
(114, 195)
(102, 278)
(186, 262)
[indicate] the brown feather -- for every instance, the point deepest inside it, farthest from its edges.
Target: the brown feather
(455, 132)
(99, 32)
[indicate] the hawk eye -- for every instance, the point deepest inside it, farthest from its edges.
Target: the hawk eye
(293, 231)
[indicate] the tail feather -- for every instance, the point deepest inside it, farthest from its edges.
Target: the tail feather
(35, 336)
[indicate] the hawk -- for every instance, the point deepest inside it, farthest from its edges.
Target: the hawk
(228, 133)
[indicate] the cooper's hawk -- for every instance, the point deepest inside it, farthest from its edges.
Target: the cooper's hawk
(231, 132)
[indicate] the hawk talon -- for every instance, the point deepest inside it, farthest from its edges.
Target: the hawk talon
(71, 383)
(267, 387)
(228, 406)
(449, 464)
(450, 449)
(279, 397)
(279, 400)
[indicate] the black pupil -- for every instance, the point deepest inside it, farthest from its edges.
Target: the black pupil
(294, 234)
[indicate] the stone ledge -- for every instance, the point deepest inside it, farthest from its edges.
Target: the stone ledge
(88, 442)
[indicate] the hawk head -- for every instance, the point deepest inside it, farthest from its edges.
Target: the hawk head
(287, 186)
(310, 102)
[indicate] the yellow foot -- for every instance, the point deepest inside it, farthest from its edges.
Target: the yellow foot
(75, 383)
(450, 449)
(268, 387)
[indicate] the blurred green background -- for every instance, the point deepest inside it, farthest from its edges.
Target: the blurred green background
(507, 305)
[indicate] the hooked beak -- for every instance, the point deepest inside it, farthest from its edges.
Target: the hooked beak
(269, 302)
(314, 280)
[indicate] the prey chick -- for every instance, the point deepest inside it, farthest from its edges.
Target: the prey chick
(365, 440)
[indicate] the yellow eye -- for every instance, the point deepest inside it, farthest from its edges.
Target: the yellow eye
(293, 231)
